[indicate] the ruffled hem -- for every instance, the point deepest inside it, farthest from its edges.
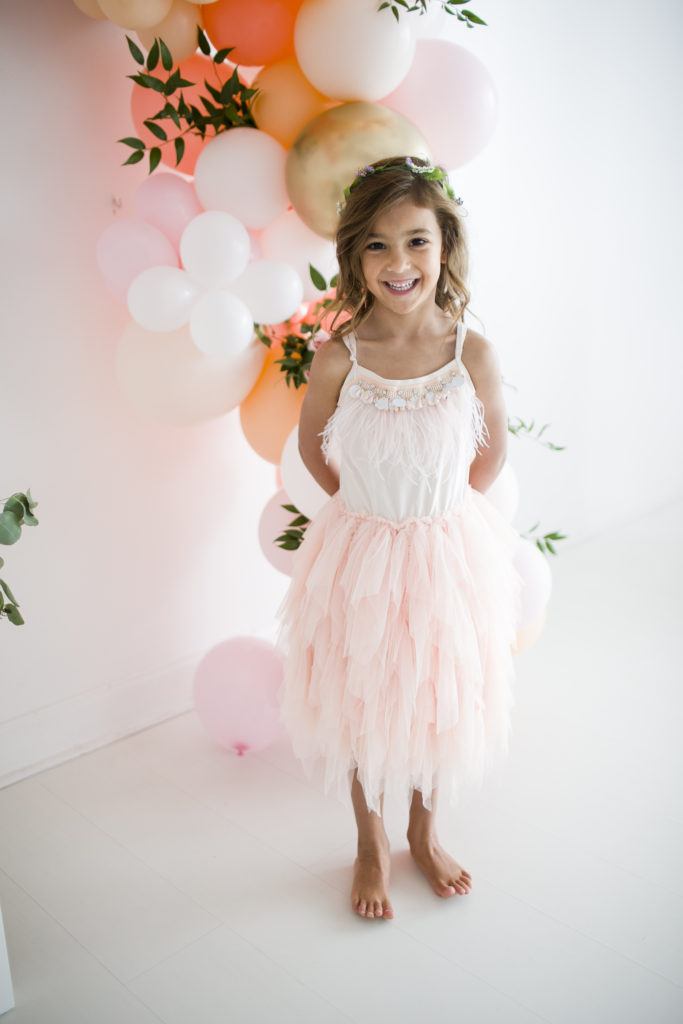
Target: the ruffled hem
(397, 640)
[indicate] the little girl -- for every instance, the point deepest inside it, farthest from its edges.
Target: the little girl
(401, 613)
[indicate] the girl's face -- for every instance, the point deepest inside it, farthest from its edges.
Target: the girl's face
(402, 258)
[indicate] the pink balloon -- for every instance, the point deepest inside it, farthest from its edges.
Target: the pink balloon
(533, 567)
(168, 202)
(128, 247)
(236, 689)
(274, 521)
(449, 95)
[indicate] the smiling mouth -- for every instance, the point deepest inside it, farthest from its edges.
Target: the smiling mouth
(400, 287)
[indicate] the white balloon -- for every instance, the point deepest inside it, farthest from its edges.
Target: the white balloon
(215, 248)
(504, 492)
(304, 491)
(352, 51)
(161, 298)
(271, 289)
(220, 324)
(289, 239)
(243, 172)
(533, 567)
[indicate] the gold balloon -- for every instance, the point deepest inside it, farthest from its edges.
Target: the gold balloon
(326, 155)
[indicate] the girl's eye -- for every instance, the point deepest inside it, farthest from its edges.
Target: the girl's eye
(418, 241)
(374, 246)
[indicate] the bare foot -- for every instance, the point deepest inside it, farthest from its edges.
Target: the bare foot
(369, 896)
(443, 873)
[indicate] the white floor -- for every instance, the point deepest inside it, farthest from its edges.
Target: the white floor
(161, 879)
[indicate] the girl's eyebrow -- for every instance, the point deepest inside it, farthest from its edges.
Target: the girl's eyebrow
(413, 231)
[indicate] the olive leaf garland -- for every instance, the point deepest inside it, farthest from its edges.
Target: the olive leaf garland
(449, 6)
(227, 105)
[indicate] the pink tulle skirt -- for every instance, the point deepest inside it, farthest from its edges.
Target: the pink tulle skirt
(397, 639)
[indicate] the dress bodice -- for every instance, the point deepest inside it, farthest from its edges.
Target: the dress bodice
(404, 447)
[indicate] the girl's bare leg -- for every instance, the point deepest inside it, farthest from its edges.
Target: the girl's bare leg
(443, 873)
(369, 894)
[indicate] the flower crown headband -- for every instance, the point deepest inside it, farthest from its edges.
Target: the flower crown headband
(427, 171)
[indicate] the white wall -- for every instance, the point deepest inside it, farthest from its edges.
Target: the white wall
(146, 554)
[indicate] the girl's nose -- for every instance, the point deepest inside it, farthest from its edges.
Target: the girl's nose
(397, 260)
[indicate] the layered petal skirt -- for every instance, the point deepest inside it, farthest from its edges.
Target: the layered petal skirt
(398, 639)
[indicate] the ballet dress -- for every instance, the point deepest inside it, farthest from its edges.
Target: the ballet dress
(403, 606)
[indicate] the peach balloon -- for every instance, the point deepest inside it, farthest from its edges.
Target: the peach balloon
(144, 103)
(178, 30)
(261, 31)
(530, 634)
(287, 101)
(167, 379)
(271, 410)
(91, 8)
(135, 13)
(325, 156)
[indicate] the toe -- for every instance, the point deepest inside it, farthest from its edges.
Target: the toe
(378, 910)
(446, 890)
(387, 910)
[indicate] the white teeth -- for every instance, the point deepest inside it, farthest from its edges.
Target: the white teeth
(403, 286)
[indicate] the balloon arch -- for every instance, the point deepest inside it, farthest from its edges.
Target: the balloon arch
(224, 241)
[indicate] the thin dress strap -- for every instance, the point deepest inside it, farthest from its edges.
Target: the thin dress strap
(350, 342)
(460, 332)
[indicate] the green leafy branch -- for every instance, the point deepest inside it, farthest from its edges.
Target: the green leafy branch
(450, 7)
(544, 543)
(17, 512)
(522, 429)
(297, 346)
(227, 105)
(291, 539)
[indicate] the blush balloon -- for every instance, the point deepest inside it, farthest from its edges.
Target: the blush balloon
(126, 248)
(236, 693)
(273, 522)
(168, 202)
(458, 129)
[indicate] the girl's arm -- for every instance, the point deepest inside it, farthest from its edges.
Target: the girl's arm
(331, 364)
(483, 366)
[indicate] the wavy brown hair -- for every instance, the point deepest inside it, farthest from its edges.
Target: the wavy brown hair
(371, 196)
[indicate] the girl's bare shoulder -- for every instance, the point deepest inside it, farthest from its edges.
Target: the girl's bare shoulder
(480, 355)
(332, 360)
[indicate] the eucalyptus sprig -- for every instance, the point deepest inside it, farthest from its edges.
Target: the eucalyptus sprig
(522, 429)
(17, 512)
(297, 345)
(291, 539)
(450, 7)
(226, 105)
(544, 543)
